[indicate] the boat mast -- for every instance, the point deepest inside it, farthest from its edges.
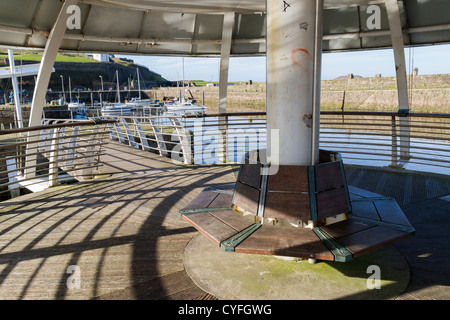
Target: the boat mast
(118, 88)
(183, 78)
(70, 91)
(139, 83)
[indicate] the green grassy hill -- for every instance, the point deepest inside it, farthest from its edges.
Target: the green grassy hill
(37, 57)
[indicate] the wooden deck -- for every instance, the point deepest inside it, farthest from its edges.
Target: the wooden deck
(123, 231)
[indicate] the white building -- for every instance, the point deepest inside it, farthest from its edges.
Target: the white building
(101, 57)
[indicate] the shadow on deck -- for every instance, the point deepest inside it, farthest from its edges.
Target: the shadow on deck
(124, 233)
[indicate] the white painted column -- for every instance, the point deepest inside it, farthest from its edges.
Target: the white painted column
(227, 33)
(290, 79)
(225, 51)
(400, 68)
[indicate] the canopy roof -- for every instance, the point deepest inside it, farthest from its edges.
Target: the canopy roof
(194, 27)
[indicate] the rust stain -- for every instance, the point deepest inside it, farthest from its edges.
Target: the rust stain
(294, 61)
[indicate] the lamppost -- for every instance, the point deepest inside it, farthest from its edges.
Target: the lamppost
(62, 83)
(101, 100)
(101, 79)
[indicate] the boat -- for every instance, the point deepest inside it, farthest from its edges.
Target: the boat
(117, 109)
(137, 102)
(75, 106)
(188, 107)
(77, 110)
(185, 106)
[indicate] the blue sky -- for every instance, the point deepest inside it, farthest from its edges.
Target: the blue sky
(429, 60)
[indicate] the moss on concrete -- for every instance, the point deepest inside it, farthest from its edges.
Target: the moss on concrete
(245, 276)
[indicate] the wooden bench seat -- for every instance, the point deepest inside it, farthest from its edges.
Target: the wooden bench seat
(375, 221)
(210, 199)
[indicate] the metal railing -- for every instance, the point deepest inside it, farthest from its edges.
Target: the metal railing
(205, 139)
(38, 157)
(413, 141)
(417, 141)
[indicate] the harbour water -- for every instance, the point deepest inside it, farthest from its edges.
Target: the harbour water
(355, 147)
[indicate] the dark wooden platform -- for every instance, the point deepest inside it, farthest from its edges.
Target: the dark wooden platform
(375, 221)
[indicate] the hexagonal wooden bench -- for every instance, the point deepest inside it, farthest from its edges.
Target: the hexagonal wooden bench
(304, 212)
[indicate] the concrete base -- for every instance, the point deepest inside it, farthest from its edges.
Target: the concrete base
(237, 276)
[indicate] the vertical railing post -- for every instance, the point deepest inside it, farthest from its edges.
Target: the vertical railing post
(13, 173)
(394, 155)
(405, 137)
(184, 138)
(141, 134)
(53, 159)
(119, 132)
(159, 137)
(89, 158)
(71, 148)
(225, 139)
(130, 136)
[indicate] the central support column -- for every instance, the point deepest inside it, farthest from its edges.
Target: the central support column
(291, 52)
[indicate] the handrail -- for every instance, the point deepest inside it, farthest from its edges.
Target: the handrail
(57, 125)
(48, 154)
(356, 113)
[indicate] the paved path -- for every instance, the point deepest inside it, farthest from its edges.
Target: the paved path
(123, 234)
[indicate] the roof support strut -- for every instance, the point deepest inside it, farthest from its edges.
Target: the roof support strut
(48, 60)
(395, 26)
(15, 88)
(227, 33)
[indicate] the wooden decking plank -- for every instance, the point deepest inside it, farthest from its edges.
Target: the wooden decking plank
(223, 200)
(246, 197)
(283, 205)
(331, 203)
(285, 241)
(282, 180)
(346, 228)
(233, 219)
(390, 212)
(361, 192)
(210, 226)
(251, 175)
(328, 176)
(203, 200)
(365, 209)
(370, 239)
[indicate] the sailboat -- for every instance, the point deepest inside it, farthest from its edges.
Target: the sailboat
(117, 109)
(188, 107)
(138, 103)
(77, 109)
